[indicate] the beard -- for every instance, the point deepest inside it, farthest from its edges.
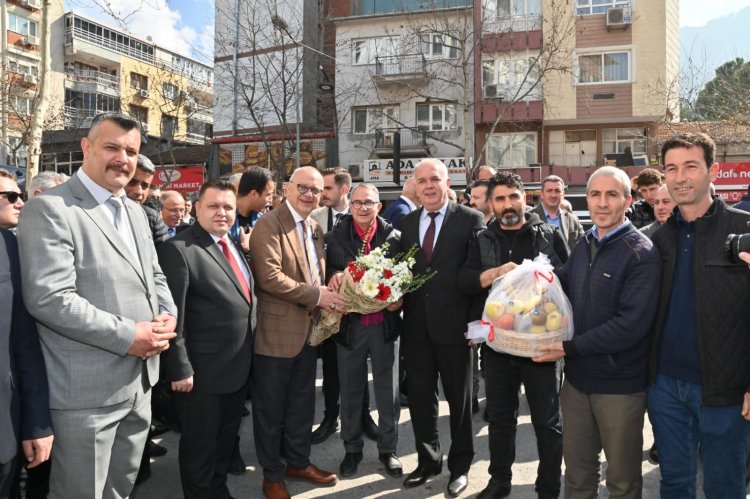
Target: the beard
(509, 217)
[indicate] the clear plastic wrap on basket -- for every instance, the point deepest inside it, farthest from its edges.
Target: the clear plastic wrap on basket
(525, 308)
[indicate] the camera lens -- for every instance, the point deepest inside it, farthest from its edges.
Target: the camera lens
(736, 244)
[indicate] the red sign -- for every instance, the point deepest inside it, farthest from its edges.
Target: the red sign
(183, 179)
(731, 176)
(730, 197)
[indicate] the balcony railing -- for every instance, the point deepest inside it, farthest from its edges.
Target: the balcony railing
(92, 76)
(512, 23)
(397, 65)
(121, 48)
(410, 138)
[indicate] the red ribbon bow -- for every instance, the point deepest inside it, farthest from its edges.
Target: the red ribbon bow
(492, 329)
(547, 276)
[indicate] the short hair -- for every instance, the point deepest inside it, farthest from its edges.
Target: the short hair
(369, 187)
(46, 180)
(555, 179)
(649, 176)
(611, 171)
(480, 183)
(235, 179)
(6, 174)
(506, 179)
(342, 176)
(220, 184)
(255, 179)
(688, 140)
(145, 164)
(478, 169)
(122, 120)
(170, 194)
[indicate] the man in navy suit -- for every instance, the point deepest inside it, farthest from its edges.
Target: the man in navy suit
(405, 204)
(24, 395)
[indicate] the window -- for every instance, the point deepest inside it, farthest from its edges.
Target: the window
(168, 126)
(512, 77)
(196, 128)
(138, 81)
(140, 113)
(367, 119)
(605, 67)
(22, 106)
(365, 51)
(616, 140)
(512, 149)
(436, 117)
(22, 25)
(170, 91)
(439, 46)
(18, 150)
(505, 9)
(22, 68)
(585, 7)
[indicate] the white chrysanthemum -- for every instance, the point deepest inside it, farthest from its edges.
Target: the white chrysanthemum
(369, 287)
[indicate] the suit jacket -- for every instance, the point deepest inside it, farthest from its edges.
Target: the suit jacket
(438, 307)
(286, 297)
(323, 216)
(24, 396)
(86, 291)
(569, 225)
(396, 211)
(214, 337)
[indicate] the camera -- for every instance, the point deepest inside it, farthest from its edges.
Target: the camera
(736, 244)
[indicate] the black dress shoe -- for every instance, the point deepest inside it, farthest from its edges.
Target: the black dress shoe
(494, 490)
(237, 464)
(327, 427)
(392, 465)
(350, 463)
(369, 428)
(153, 449)
(158, 429)
(457, 484)
(423, 473)
(403, 399)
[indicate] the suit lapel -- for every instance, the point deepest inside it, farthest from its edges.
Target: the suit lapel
(564, 221)
(290, 232)
(102, 218)
(448, 222)
(214, 251)
(319, 243)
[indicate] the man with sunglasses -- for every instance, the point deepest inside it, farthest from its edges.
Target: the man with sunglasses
(137, 190)
(291, 292)
(10, 201)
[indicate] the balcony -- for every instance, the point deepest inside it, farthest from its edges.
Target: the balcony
(413, 143)
(79, 118)
(408, 69)
(92, 81)
(530, 22)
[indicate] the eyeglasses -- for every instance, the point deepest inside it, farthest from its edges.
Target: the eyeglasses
(134, 182)
(12, 196)
(304, 189)
(364, 204)
(176, 210)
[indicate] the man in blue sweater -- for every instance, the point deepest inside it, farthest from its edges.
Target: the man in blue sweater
(699, 400)
(612, 281)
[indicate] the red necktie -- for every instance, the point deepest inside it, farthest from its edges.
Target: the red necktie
(236, 268)
(429, 237)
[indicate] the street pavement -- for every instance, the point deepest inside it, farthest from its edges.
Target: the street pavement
(371, 480)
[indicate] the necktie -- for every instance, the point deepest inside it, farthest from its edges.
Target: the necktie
(172, 232)
(121, 224)
(309, 252)
(338, 219)
(429, 237)
(235, 267)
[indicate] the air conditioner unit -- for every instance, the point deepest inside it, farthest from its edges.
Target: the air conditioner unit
(30, 79)
(143, 93)
(32, 40)
(618, 17)
(355, 170)
(491, 91)
(37, 4)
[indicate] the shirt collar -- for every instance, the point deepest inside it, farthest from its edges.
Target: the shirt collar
(100, 194)
(409, 202)
(297, 217)
(442, 210)
(609, 235)
(550, 217)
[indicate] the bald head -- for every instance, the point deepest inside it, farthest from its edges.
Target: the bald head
(433, 183)
(305, 189)
(172, 208)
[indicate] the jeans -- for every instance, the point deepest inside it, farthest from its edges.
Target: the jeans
(684, 428)
(503, 377)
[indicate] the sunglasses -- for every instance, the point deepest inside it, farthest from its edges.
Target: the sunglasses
(12, 196)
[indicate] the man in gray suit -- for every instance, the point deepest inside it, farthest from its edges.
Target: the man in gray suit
(553, 192)
(92, 281)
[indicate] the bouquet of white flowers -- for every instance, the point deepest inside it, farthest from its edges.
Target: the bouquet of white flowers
(370, 283)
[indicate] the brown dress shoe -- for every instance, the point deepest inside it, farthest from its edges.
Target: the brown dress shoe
(275, 490)
(313, 474)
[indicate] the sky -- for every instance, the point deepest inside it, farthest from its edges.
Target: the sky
(186, 26)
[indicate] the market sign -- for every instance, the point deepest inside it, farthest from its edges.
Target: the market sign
(380, 171)
(731, 180)
(183, 179)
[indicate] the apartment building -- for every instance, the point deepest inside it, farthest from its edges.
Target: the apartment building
(108, 69)
(575, 83)
(20, 72)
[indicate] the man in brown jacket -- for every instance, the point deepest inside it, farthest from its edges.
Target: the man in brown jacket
(287, 249)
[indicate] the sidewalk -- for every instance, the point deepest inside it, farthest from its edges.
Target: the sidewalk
(371, 480)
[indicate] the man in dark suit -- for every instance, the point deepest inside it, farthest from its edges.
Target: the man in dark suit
(172, 212)
(435, 318)
(405, 204)
(24, 395)
(549, 211)
(209, 364)
(290, 291)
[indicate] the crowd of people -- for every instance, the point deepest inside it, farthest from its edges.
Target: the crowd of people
(115, 297)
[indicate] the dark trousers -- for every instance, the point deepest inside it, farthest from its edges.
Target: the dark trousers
(504, 374)
(9, 478)
(210, 423)
(331, 383)
(425, 361)
(283, 410)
